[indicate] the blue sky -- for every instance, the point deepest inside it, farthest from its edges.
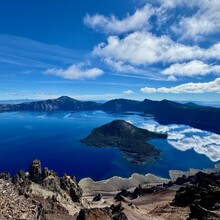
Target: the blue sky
(101, 49)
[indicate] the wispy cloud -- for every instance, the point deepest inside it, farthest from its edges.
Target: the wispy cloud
(90, 82)
(22, 61)
(151, 76)
(213, 86)
(76, 71)
(25, 52)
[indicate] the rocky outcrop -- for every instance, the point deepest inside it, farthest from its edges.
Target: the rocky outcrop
(37, 194)
(201, 194)
(22, 182)
(47, 179)
(35, 172)
(137, 192)
(50, 180)
(114, 212)
(69, 185)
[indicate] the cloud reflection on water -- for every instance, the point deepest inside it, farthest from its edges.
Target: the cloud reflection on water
(184, 138)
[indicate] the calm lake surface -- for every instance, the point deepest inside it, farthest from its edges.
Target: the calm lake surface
(54, 139)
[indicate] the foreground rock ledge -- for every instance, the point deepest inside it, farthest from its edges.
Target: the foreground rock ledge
(40, 194)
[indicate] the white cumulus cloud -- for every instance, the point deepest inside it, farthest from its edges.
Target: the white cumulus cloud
(148, 90)
(204, 22)
(141, 48)
(162, 33)
(190, 69)
(76, 71)
(121, 66)
(128, 92)
(213, 86)
(112, 25)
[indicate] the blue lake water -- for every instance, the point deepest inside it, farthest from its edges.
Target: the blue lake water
(54, 139)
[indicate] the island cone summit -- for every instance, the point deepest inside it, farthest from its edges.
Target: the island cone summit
(128, 138)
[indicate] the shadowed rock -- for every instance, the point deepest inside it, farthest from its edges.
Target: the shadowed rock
(35, 172)
(201, 194)
(5, 176)
(97, 197)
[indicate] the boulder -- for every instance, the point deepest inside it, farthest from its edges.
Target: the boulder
(120, 196)
(97, 197)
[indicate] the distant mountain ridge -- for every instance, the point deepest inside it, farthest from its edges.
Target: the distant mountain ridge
(165, 111)
(63, 103)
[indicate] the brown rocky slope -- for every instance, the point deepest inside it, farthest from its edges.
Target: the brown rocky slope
(40, 194)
